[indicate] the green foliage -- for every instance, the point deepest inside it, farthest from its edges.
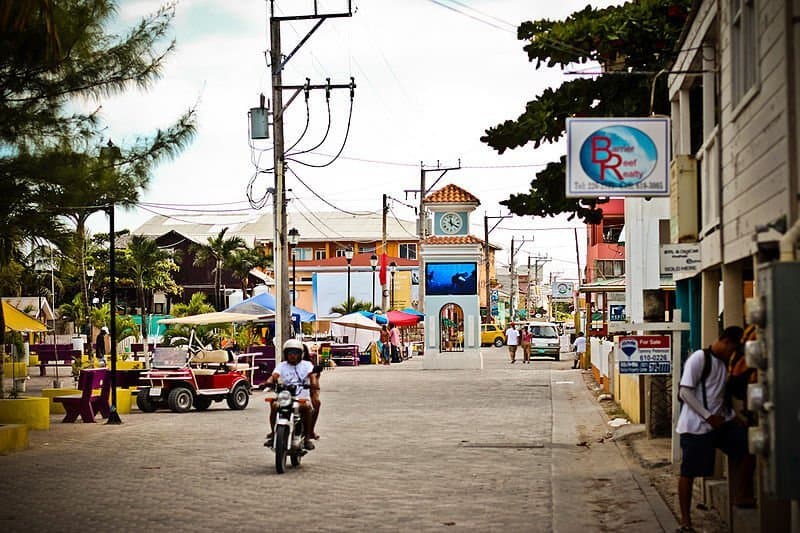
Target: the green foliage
(178, 334)
(74, 312)
(51, 167)
(351, 306)
(242, 261)
(633, 42)
(219, 250)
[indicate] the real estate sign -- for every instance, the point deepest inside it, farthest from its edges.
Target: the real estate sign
(680, 258)
(617, 157)
(645, 354)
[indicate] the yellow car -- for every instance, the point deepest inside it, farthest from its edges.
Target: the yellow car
(492, 334)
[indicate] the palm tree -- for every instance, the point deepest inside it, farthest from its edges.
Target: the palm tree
(243, 261)
(74, 312)
(219, 249)
(351, 306)
(150, 269)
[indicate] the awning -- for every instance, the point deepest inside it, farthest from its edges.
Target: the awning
(380, 319)
(16, 320)
(265, 303)
(399, 318)
(220, 317)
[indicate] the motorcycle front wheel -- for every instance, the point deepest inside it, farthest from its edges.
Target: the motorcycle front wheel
(281, 448)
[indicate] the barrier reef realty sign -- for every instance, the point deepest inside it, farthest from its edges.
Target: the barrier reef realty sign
(617, 157)
(645, 354)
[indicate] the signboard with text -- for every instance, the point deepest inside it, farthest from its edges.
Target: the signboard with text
(617, 157)
(562, 290)
(680, 258)
(645, 354)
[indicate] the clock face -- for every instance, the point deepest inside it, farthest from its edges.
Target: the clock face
(450, 223)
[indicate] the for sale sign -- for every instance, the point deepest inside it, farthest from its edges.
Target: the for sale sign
(645, 354)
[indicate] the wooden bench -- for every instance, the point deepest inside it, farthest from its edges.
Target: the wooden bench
(87, 404)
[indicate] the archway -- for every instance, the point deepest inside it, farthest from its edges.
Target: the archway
(451, 328)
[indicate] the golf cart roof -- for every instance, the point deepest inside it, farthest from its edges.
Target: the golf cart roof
(220, 317)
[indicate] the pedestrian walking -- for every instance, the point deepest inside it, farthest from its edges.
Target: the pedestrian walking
(707, 422)
(512, 341)
(394, 340)
(100, 346)
(386, 355)
(526, 337)
(579, 345)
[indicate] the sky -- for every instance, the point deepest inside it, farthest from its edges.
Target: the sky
(431, 76)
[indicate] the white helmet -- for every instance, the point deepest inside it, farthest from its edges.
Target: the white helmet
(292, 344)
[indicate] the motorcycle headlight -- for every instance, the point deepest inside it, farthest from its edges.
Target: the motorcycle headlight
(284, 398)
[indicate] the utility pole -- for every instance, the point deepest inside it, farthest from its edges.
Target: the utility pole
(421, 223)
(486, 264)
(384, 289)
(280, 242)
(513, 269)
(576, 314)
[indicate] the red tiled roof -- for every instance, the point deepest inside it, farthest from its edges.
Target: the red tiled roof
(451, 194)
(359, 260)
(454, 239)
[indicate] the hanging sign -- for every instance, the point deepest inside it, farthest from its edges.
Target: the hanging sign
(617, 157)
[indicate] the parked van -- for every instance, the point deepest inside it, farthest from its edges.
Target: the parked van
(544, 341)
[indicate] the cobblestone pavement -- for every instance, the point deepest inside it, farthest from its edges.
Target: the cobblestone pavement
(509, 448)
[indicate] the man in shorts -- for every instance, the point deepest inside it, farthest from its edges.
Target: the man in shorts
(706, 423)
(512, 341)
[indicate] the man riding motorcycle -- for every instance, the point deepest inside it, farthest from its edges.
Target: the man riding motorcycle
(293, 370)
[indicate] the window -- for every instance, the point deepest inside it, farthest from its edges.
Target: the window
(609, 268)
(319, 255)
(611, 232)
(302, 254)
(744, 53)
(366, 249)
(340, 252)
(408, 250)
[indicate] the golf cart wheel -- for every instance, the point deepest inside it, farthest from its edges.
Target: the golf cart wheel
(238, 397)
(558, 357)
(295, 457)
(281, 448)
(201, 403)
(180, 400)
(498, 342)
(143, 401)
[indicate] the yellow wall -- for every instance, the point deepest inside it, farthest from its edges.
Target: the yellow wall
(626, 392)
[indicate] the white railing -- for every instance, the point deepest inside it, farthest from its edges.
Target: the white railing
(600, 350)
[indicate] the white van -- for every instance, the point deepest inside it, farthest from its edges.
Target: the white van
(544, 341)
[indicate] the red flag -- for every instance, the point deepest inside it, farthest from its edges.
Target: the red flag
(384, 265)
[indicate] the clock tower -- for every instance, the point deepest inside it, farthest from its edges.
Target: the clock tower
(449, 266)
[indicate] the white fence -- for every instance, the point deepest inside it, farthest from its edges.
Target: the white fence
(600, 352)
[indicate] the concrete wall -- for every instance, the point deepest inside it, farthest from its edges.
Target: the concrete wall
(642, 252)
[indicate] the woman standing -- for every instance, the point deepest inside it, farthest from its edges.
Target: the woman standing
(385, 350)
(526, 338)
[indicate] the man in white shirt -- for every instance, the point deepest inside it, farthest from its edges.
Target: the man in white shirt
(293, 370)
(705, 422)
(580, 348)
(512, 340)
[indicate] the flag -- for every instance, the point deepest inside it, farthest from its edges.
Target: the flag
(384, 265)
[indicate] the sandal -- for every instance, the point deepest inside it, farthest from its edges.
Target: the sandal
(685, 529)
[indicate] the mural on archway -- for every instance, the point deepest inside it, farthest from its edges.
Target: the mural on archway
(451, 328)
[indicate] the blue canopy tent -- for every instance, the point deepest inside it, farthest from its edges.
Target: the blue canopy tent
(412, 311)
(380, 319)
(259, 302)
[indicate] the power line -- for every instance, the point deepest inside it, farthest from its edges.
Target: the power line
(315, 193)
(473, 17)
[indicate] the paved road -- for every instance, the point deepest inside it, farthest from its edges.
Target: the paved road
(402, 450)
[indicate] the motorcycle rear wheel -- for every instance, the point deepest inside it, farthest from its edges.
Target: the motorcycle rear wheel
(281, 448)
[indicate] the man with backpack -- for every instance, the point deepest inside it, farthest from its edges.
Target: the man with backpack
(706, 421)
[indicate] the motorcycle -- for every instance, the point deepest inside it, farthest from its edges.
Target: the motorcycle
(290, 432)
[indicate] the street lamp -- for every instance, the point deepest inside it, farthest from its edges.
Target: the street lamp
(348, 254)
(90, 276)
(294, 238)
(392, 269)
(373, 262)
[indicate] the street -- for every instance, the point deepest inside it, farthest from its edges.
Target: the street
(509, 448)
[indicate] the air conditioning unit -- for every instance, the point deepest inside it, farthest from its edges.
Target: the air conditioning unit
(683, 199)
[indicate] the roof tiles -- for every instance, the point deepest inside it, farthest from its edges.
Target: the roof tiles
(450, 194)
